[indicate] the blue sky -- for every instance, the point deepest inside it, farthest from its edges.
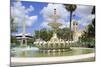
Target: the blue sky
(37, 15)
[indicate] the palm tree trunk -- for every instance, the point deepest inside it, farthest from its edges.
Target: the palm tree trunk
(70, 25)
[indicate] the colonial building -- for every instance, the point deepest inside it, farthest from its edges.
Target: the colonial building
(76, 32)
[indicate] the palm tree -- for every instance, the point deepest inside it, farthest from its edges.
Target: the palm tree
(71, 8)
(14, 25)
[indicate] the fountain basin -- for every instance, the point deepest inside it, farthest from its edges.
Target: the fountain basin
(85, 54)
(50, 53)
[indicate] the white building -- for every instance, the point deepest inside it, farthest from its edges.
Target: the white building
(76, 32)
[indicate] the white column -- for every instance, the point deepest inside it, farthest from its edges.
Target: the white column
(24, 29)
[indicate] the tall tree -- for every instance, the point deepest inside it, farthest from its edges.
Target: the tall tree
(89, 34)
(13, 25)
(93, 21)
(91, 27)
(47, 34)
(71, 8)
(43, 34)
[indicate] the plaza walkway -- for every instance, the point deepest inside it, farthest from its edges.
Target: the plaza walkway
(49, 60)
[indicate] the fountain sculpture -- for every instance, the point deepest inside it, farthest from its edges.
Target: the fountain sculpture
(55, 43)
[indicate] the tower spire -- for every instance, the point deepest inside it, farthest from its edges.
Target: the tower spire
(55, 16)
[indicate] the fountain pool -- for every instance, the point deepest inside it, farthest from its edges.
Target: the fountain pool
(34, 52)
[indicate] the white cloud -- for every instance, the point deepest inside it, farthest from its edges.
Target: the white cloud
(84, 12)
(91, 16)
(31, 20)
(64, 24)
(86, 20)
(48, 11)
(20, 13)
(45, 25)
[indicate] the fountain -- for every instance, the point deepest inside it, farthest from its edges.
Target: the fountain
(55, 43)
(22, 38)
